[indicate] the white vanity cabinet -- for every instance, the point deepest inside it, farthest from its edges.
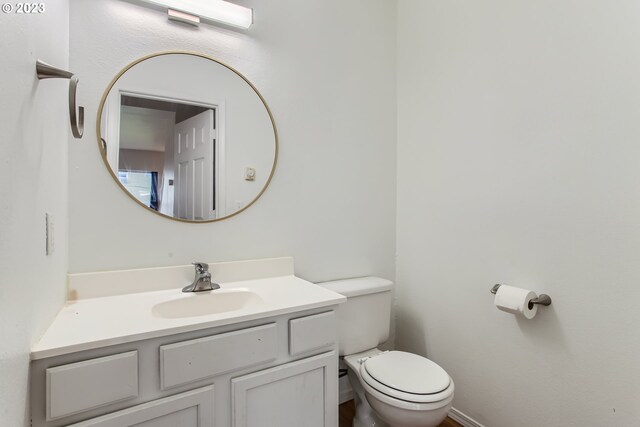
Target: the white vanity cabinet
(279, 371)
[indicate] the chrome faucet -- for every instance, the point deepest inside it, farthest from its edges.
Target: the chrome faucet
(202, 281)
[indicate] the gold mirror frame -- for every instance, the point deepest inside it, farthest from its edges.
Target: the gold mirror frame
(103, 153)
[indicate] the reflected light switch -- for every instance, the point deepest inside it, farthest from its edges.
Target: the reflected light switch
(250, 174)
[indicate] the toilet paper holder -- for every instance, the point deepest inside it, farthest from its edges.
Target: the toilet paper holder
(542, 299)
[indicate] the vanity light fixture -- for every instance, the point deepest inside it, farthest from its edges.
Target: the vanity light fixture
(217, 11)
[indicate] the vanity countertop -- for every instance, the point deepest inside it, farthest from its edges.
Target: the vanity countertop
(90, 323)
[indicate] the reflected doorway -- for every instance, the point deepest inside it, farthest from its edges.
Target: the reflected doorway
(174, 144)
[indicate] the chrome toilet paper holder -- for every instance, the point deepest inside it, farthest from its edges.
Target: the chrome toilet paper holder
(542, 299)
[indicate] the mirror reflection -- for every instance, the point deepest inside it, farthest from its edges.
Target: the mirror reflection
(187, 137)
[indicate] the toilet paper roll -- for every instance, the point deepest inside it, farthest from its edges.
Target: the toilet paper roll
(516, 300)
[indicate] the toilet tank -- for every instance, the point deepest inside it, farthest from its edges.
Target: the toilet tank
(363, 321)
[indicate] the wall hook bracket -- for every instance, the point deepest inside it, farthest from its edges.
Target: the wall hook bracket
(76, 115)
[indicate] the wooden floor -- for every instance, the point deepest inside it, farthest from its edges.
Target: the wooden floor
(347, 411)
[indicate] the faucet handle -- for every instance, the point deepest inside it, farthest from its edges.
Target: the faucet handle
(201, 267)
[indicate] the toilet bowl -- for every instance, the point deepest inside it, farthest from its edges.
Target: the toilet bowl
(391, 388)
(399, 389)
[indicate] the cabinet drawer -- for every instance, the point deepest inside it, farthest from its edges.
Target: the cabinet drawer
(193, 360)
(191, 409)
(312, 332)
(81, 386)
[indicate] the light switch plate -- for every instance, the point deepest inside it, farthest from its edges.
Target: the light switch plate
(49, 233)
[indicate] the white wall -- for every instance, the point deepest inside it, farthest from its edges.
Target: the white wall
(328, 76)
(519, 163)
(33, 172)
(142, 160)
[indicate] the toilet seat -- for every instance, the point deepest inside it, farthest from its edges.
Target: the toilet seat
(407, 377)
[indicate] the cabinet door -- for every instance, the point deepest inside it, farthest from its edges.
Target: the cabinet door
(300, 393)
(190, 409)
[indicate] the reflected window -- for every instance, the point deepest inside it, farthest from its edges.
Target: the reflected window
(143, 185)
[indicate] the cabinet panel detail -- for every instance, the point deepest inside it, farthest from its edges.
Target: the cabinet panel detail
(189, 361)
(81, 386)
(300, 393)
(312, 332)
(191, 409)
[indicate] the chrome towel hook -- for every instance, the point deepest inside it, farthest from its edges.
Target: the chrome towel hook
(76, 115)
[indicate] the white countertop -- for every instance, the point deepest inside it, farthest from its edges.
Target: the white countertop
(108, 320)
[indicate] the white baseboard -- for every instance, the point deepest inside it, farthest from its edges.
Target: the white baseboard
(346, 393)
(345, 396)
(463, 419)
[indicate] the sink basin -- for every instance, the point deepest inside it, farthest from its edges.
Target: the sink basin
(205, 303)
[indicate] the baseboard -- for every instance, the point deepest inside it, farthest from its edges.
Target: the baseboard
(345, 396)
(463, 419)
(346, 393)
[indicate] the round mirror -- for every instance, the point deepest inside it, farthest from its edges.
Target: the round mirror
(187, 136)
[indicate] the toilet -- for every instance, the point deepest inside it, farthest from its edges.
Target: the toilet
(391, 388)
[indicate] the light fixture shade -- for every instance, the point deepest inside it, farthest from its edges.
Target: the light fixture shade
(212, 10)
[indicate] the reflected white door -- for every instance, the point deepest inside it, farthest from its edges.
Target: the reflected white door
(194, 162)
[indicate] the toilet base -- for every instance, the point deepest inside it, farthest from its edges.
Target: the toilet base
(365, 415)
(402, 418)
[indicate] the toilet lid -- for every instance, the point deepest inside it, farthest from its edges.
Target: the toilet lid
(407, 372)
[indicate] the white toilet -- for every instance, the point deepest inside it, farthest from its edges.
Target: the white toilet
(393, 388)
